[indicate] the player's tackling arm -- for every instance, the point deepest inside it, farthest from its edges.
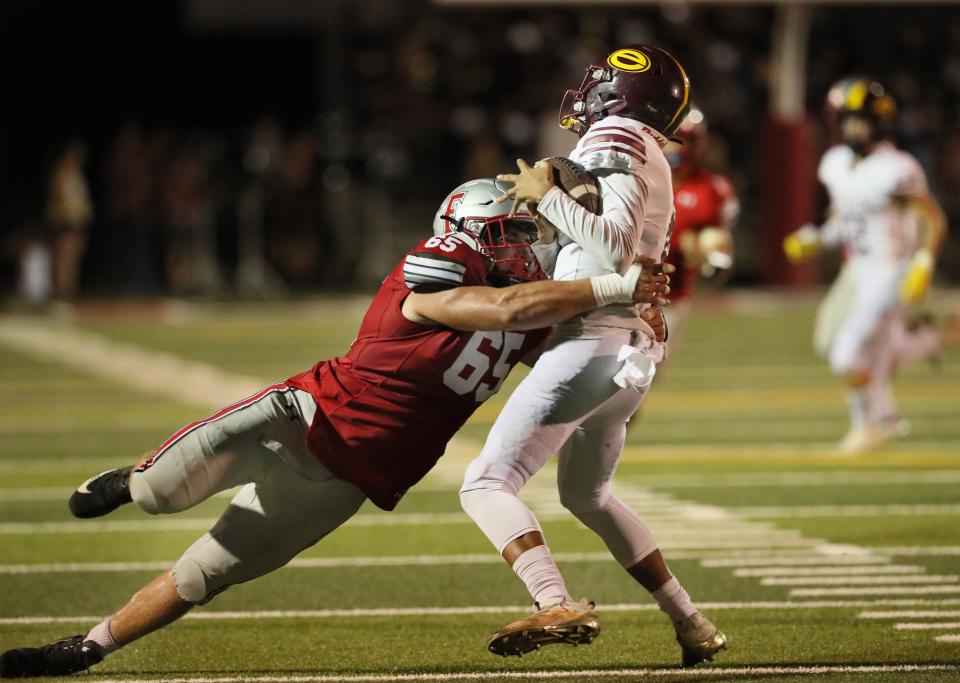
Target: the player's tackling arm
(535, 304)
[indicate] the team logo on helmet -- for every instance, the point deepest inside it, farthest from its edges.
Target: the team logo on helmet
(629, 59)
(455, 201)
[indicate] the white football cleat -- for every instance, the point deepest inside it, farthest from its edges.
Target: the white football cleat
(862, 439)
(699, 639)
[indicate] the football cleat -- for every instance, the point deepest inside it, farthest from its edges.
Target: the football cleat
(573, 623)
(699, 639)
(60, 658)
(102, 494)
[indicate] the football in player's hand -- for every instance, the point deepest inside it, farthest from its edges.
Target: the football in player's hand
(576, 181)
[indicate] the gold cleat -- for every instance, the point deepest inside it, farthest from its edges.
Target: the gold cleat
(699, 639)
(573, 623)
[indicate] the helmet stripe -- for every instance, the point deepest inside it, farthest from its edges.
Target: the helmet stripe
(686, 90)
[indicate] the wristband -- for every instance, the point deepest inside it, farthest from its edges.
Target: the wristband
(615, 288)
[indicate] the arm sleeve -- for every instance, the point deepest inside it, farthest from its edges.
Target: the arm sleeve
(612, 238)
(911, 181)
(547, 255)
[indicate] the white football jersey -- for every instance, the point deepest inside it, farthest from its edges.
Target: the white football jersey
(867, 218)
(636, 191)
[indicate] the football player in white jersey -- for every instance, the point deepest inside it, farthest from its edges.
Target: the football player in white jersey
(596, 368)
(890, 227)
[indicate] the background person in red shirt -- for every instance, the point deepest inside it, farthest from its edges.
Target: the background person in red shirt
(706, 205)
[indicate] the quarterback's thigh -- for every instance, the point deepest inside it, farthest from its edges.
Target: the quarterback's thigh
(209, 456)
(567, 383)
(589, 459)
(264, 527)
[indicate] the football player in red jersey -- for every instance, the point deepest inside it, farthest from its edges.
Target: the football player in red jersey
(706, 210)
(435, 343)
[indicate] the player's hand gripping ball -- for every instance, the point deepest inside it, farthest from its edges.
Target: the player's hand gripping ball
(533, 182)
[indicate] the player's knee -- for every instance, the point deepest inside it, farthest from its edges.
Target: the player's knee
(488, 475)
(583, 500)
(191, 581)
(152, 499)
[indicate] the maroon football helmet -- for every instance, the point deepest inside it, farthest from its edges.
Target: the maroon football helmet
(640, 82)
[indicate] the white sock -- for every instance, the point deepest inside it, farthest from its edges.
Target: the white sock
(673, 599)
(538, 570)
(100, 634)
(858, 405)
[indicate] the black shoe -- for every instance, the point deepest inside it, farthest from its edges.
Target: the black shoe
(63, 657)
(102, 494)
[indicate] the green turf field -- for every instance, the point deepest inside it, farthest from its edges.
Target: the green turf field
(816, 565)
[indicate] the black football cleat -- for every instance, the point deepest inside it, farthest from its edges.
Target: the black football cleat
(60, 658)
(102, 494)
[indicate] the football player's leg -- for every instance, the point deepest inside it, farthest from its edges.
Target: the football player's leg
(209, 456)
(265, 526)
(918, 339)
(587, 465)
(833, 310)
(567, 383)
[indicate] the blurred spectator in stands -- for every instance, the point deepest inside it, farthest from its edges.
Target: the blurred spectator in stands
(67, 215)
(127, 239)
(261, 160)
(187, 229)
(294, 229)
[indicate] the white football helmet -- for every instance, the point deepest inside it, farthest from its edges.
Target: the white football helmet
(473, 212)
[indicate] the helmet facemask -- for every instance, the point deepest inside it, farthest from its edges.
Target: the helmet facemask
(583, 107)
(507, 243)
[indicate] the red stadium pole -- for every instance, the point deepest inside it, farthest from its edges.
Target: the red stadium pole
(788, 150)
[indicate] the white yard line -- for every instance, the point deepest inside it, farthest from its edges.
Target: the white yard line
(928, 626)
(786, 560)
(797, 479)
(808, 511)
(862, 580)
(213, 615)
(874, 590)
(577, 675)
(855, 569)
(129, 365)
(949, 638)
(911, 614)
(917, 550)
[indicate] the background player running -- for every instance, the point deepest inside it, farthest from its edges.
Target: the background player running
(891, 229)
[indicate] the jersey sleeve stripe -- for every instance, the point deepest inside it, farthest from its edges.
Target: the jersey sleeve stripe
(432, 261)
(612, 148)
(626, 140)
(421, 274)
(600, 129)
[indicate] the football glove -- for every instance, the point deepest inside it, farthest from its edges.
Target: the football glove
(917, 280)
(801, 244)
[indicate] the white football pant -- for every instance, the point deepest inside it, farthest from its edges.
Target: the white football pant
(288, 500)
(568, 404)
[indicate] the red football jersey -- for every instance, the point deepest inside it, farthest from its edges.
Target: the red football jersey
(701, 200)
(386, 410)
